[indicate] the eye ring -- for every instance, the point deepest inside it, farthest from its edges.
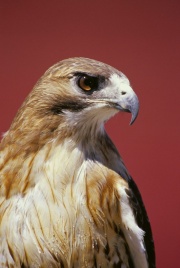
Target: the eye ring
(88, 83)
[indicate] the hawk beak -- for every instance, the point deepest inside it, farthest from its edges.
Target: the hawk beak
(133, 108)
(130, 105)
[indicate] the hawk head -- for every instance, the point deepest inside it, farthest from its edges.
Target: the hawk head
(93, 88)
(74, 94)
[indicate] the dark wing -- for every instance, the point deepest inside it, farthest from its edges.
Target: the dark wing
(142, 220)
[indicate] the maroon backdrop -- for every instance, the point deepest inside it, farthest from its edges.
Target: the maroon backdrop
(140, 38)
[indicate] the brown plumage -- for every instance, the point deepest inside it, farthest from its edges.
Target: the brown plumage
(66, 199)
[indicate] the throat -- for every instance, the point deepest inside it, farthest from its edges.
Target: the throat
(88, 125)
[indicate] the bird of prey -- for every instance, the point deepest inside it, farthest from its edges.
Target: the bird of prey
(66, 197)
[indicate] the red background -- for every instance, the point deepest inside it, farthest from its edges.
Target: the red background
(140, 38)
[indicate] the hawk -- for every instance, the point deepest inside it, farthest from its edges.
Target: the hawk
(66, 197)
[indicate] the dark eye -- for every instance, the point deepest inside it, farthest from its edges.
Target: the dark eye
(88, 83)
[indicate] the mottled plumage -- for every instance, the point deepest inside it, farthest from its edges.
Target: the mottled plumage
(66, 198)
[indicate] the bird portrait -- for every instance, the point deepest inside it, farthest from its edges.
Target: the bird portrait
(66, 197)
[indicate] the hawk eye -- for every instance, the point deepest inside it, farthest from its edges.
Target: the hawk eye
(88, 83)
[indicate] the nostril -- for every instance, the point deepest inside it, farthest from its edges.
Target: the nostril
(123, 93)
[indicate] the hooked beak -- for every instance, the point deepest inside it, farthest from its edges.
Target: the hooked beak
(129, 104)
(132, 107)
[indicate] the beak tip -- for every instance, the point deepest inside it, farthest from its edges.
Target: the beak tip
(133, 118)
